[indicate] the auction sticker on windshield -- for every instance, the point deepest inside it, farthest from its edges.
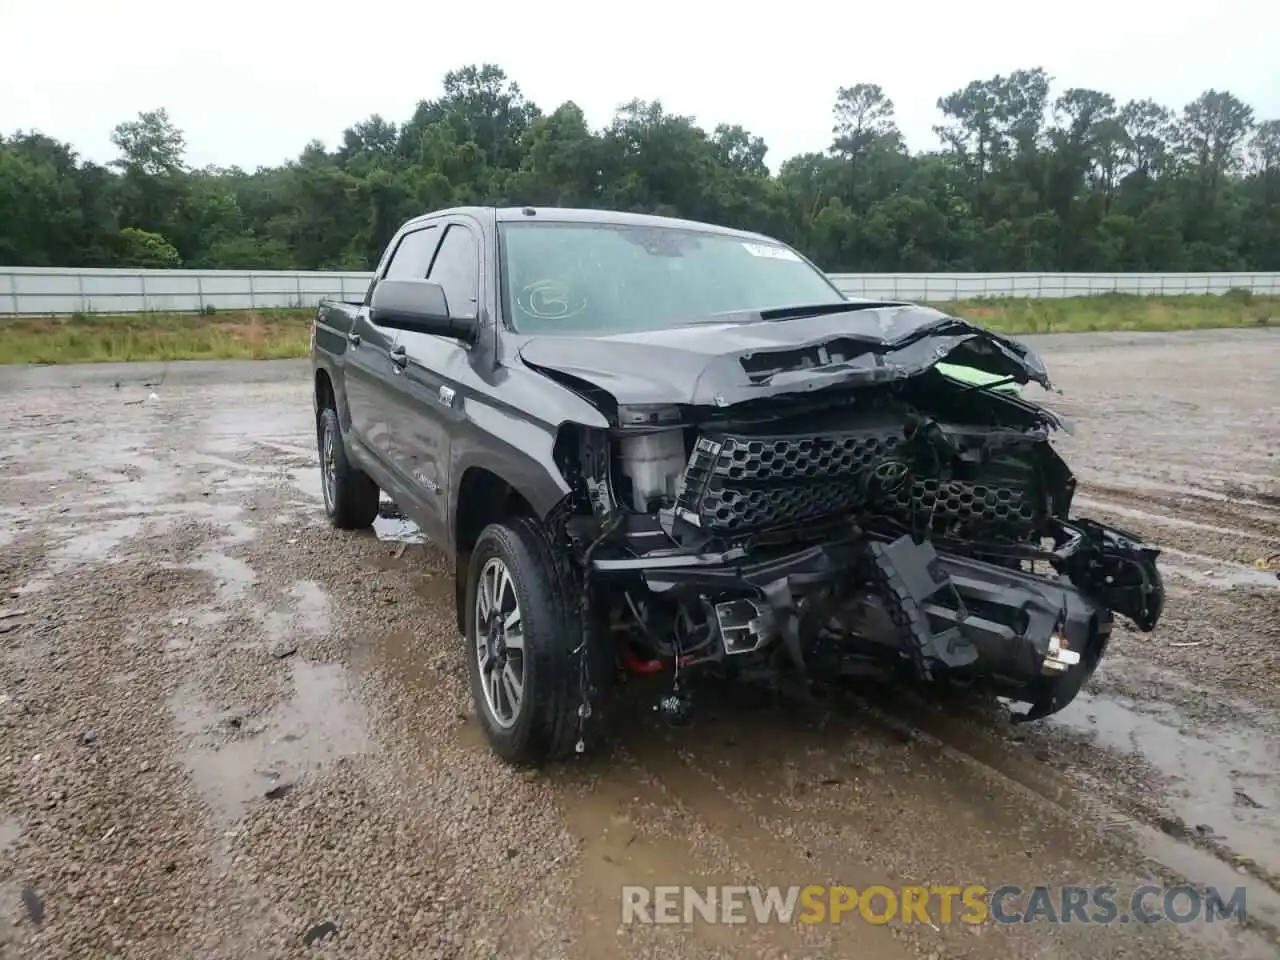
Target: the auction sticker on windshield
(770, 251)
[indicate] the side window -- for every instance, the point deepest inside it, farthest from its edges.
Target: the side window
(457, 271)
(413, 255)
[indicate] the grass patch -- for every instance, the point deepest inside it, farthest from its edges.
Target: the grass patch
(95, 338)
(1118, 311)
(273, 334)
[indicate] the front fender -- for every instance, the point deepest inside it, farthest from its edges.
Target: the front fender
(515, 439)
(515, 450)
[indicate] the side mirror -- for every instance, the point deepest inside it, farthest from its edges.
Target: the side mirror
(418, 306)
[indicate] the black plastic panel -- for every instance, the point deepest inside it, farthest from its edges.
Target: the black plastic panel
(739, 482)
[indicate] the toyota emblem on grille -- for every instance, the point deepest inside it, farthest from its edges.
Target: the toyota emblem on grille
(889, 475)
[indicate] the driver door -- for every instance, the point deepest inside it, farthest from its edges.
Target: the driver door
(371, 370)
(437, 377)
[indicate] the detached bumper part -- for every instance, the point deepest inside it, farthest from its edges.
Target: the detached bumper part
(1117, 566)
(1024, 626)
(1015, 627)
(1036, 638)
(912, 581)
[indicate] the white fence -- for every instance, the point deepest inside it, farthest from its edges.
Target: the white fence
(966, 286)
(53, 290)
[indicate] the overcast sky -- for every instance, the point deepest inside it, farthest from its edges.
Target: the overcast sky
(251, 82)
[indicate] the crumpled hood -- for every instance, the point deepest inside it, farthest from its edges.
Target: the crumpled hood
(722, 363)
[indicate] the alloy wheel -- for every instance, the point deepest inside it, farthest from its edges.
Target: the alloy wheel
(328, 470)
(499, 640)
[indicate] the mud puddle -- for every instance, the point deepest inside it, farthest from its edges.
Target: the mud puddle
(631, 831)
(309, 612)
(843, 793)
(236, 760)
(307, 483)
(10, 831)
(1199, 778)
(391, 530)
(1212, 572)
(392, 526)
(1204, 870)
(1224, 783)
(233, 577)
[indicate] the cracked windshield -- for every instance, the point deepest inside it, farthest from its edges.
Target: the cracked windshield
(570, 278)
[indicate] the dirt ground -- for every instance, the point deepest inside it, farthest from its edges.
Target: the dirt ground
(227, 730)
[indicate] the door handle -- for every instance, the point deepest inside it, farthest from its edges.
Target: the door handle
(398, 356)
(353, 338)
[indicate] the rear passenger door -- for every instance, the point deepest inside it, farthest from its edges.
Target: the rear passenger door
(434, 369)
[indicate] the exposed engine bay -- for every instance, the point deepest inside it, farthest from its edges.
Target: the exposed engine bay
(919, 524)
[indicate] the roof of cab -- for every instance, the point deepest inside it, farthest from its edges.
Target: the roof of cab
(584, 215)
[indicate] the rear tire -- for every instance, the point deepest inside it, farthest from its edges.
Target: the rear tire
(521, 630)
(350, 497)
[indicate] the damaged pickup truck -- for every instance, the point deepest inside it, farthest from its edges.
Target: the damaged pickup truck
(656, 446)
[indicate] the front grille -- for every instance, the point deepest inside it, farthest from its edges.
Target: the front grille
(803, 458)
(967, 510)
(738, 483)
(744, 482)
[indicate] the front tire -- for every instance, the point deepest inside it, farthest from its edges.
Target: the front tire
(521, 629)
(350, 497)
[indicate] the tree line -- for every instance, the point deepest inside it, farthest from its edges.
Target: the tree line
(1023, 181)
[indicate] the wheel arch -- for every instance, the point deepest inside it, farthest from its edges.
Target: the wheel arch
(483, 496)
(325, 396)
(328, 392)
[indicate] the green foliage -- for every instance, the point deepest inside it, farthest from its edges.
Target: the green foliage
(141, 248)
(1023, 181)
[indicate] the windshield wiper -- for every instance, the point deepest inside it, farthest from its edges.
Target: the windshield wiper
(825, 309)
(800, 312)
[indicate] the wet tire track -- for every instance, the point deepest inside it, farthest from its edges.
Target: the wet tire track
(787, 796)
(1237, 514)
(1204, 528)
(1026, 759)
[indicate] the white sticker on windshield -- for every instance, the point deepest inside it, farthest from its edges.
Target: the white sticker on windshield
(770, 251)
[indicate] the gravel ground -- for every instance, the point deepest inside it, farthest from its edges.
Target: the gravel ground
(227, 730)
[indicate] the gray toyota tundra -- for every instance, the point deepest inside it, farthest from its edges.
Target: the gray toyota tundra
(654, 446)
